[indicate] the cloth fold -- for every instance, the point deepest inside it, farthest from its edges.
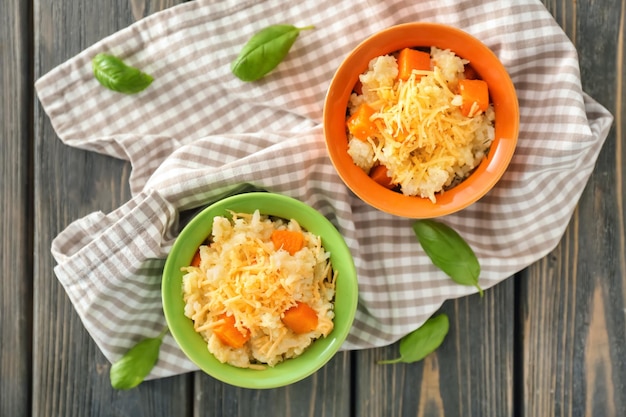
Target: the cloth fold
(198, 134)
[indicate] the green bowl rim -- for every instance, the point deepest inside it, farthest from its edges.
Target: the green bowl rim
(240, 377)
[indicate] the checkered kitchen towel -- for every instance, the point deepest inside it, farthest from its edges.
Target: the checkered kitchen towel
(198, 134)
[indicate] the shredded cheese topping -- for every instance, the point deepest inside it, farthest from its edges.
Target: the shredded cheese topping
(242, 274)
(423, 138)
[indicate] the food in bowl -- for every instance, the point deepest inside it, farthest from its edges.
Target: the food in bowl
(502, 97)
(419, 121)
(194, 234)
(260, 291)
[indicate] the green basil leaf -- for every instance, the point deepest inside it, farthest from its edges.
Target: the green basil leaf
(449, 252)
(115, 75)
(131, 369)
(264, 51)
(420, 343)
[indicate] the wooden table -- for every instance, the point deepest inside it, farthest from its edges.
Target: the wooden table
(550, 341)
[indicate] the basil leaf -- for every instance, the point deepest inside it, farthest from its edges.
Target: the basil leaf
(420, 343)
(264, 51)
(449, 252)
(131, 369)
(115, 75)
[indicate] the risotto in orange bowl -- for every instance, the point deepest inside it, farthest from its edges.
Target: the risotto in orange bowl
(421, 120)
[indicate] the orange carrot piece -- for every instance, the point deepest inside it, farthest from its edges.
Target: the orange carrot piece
(379, 174)
(229, 334)
(196, 259)
(412, 59)
(360, 124)
(300, 318)
(289, 240)
(473, 91)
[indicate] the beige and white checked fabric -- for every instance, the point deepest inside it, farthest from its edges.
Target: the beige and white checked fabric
(198, 134)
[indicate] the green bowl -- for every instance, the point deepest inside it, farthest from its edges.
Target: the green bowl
(291, 370)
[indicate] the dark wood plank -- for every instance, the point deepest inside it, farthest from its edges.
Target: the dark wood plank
(324, 394)
(574, 300)
(70, 375)
(15, 223)
(471, 374)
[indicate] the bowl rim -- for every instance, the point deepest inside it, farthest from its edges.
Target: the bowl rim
(494, 165)
(194, 346)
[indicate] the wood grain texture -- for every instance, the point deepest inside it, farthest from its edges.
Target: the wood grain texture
(471, 374)
(15, 223)
(326, 393)
(574, 309)
(70, 376)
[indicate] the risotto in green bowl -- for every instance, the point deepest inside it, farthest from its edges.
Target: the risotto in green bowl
(259, 290)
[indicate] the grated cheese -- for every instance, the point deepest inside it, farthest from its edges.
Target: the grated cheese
(242, 274)
(423, 138)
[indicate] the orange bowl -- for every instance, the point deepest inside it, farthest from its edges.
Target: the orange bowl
(502, 96)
